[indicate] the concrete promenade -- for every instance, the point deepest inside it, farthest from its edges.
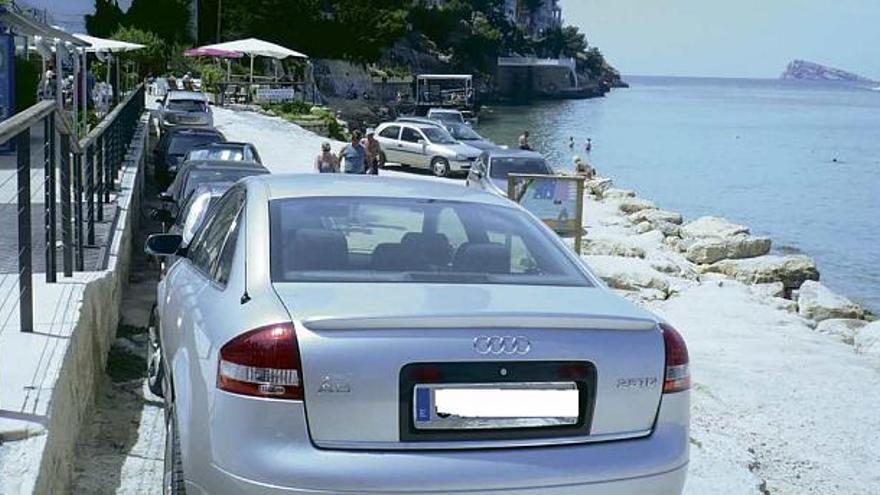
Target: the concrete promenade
(48, 377)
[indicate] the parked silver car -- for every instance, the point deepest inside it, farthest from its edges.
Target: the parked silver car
(491, 169)
(344, 334)
(184, 108)
(462, 133)
(425, 146)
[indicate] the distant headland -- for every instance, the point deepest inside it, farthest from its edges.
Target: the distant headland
(811, 71)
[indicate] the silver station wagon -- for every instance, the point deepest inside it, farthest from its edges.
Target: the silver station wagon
(372, 335)
(427, 146)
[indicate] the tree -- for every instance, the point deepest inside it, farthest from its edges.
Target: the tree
(150, 59)
(106, 19)
(168, 19)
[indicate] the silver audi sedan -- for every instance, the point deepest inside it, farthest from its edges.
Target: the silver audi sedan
(369, 335)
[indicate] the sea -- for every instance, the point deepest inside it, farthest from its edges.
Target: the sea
(797, 161)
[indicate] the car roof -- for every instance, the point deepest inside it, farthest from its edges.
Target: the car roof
(221, 144)
(512, 153)
(444, 110)
(212, 188)
(222, 164)
(187, 95)
(329, 185)
(203, 131)
(418, 120)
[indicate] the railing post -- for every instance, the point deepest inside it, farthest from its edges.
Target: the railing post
(66, 227)
(78, 210)
(49, 183)
(25, 268)
(90, 194)
(102, 172)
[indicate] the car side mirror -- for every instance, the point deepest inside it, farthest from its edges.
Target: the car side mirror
(422, 142)
(478, 174)
(164, 245)
(159, 100)
(166, 197)
(161, 215)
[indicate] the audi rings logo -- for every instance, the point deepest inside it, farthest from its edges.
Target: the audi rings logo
(502, 344)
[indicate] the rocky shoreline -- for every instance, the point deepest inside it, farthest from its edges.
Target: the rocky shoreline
(651, 254)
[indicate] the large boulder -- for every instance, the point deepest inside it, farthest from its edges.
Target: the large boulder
(768, 290)
(867, 339)
(708, 250)
(792, 270)
(712, 227)
(612, 247)
(598, 186)
(614, 192)
(817, 302)
(632, 205)
(627, 273)
(656, 216)
(845, 328)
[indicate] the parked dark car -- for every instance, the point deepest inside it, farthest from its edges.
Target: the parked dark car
(174, 145)
(227, 151)
(194, 174)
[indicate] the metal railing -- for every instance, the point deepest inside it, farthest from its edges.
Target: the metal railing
(95, 160)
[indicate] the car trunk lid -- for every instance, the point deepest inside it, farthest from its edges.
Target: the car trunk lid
(367, 350)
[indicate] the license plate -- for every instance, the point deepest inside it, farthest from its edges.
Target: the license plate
(481, 406)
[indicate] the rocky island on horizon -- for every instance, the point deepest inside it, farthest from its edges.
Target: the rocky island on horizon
(811, 71)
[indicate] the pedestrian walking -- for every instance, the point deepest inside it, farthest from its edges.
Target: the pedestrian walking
(326, 162)
(188, 82)
(354, 155)
(374, 153)
(524, 141)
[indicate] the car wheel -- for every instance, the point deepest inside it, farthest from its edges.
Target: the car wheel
(172, 474)
(440, 167)
(155, 366)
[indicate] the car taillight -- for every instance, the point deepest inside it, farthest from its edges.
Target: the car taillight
(678, 376)
(263, 362)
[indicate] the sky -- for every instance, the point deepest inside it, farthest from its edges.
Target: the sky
(740, 38)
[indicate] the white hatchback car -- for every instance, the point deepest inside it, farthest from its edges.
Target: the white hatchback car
(427, 146)
(354, 334)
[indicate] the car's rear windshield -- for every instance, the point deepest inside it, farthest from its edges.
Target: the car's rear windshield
(181, 144)
(438, 135)
(187, 106)
(502, 167)
(450, 117)
(368, 239)
(199, 177)
(463, 132)
(229, 153)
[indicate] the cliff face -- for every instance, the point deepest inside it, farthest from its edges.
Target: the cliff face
(811, 71)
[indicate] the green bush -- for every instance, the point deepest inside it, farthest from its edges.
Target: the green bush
(211, 76)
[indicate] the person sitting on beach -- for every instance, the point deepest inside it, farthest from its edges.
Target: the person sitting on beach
(582, 168)
(524, 141)
(354, 154)
(326, 162)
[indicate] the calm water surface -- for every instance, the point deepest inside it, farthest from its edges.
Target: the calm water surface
(799, 162)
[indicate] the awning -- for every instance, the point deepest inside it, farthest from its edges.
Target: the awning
(105, 45)
(211, 52)
(255, 47)
(24, 26)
